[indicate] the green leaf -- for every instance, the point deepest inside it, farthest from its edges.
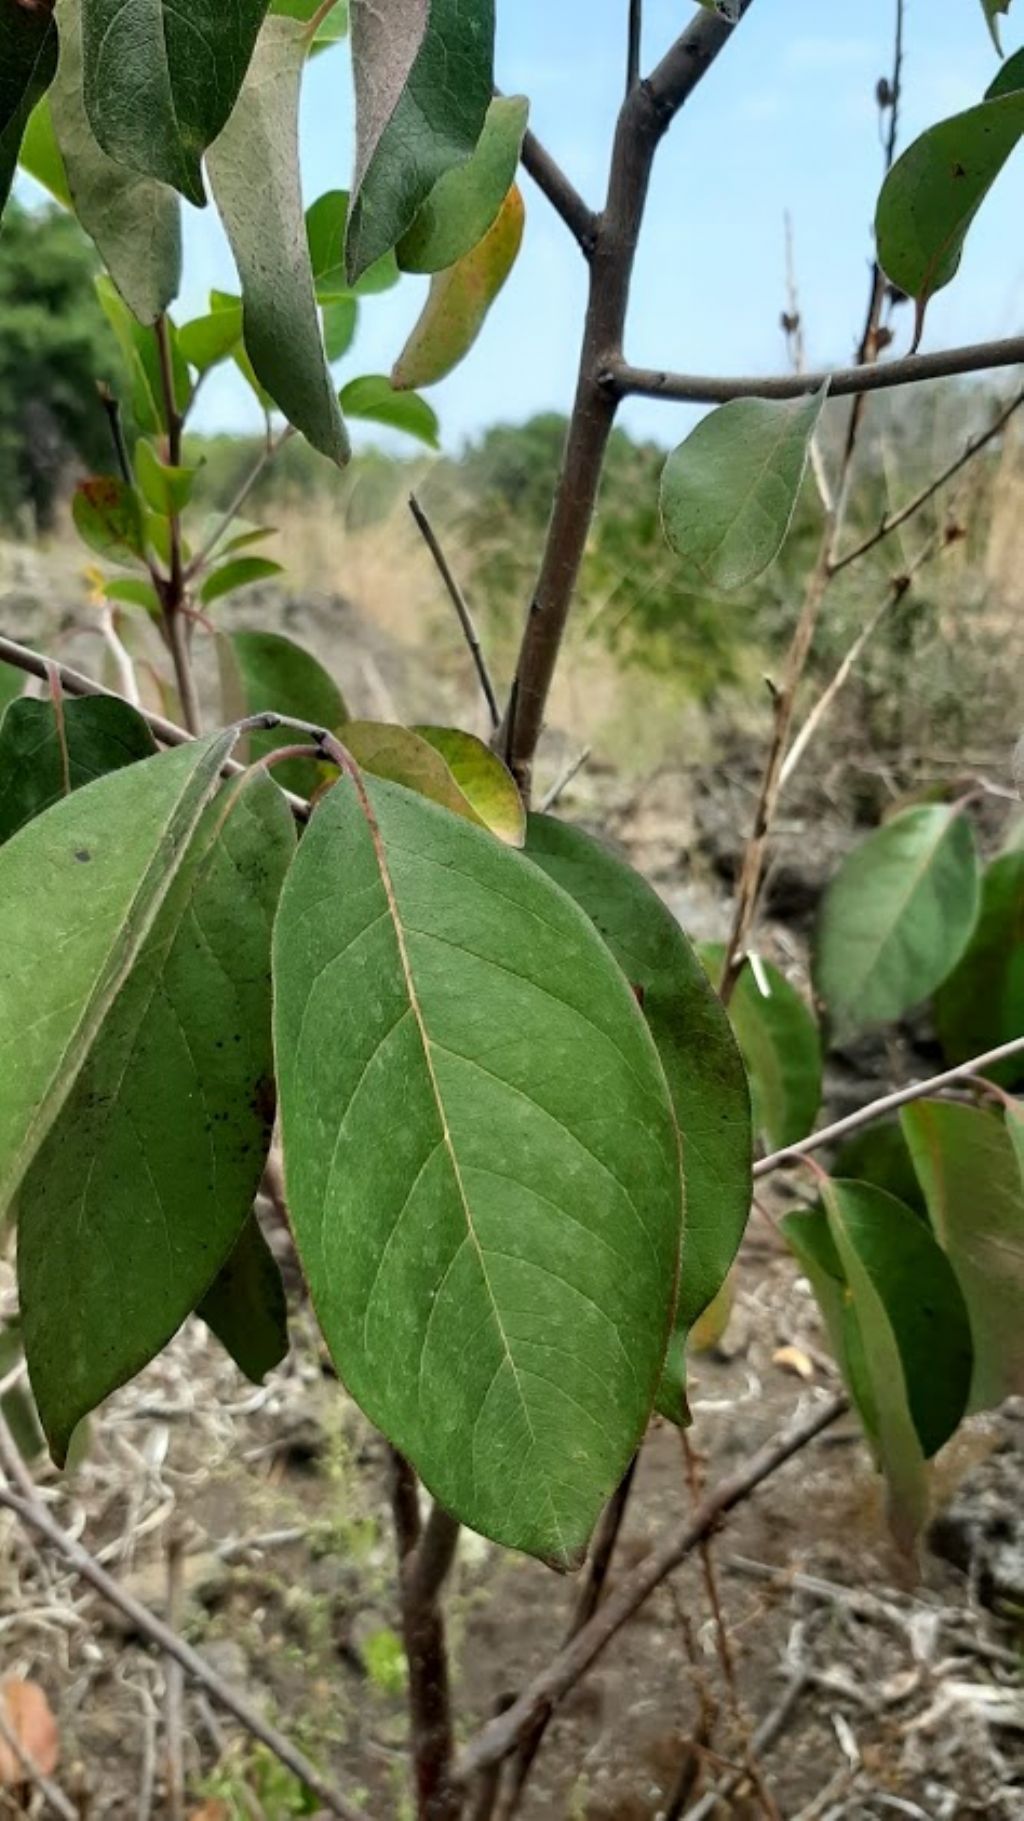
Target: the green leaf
(340, 320)
(161, 78)
(374, 397)
(465, 203)
(79, 890)
(934, 191)
(223, 303)
(108, 518)
(981, 1005)
(265, 670)
(698, 1052)
(43, 758)
(12, 682)
(1010, 76)
(484, 1176)
(208, 340)
(163, 487)
(992, 9)
(729, 492)
(40, 154)
(485, 782)
(459, 301)
(241, 572)
(331, 30)
(173, 1108)
(424, 75)
(28, 64)
(245, 1307)
(326, 222)
(134, 221)
(781, 1048)
(971, 1178)
(266, 227)
(426, 759)
(880, 1156)
(897, 917)
(133, 594)
(141, 352)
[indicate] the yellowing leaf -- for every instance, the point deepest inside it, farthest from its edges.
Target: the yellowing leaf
(459, 301)
(450, 768)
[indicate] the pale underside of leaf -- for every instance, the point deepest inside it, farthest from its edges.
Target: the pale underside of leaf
(484, 1177)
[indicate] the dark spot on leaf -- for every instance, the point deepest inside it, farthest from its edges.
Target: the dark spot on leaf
(83, 854)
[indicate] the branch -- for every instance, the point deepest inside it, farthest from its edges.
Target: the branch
(644, 119)
(894, 520)
(172, 590)
(501, 1736)
(634, 47)
(888, 1104)
(625, 381)
(461, 605)
(564, 198)
(35, 1516)
(424, 1557)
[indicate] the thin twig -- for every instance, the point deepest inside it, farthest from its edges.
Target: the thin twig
(50, 1791)
(626, 381)
(894, 520)
(920, 1090)
(501, 1736)
(173, 588)
(564, 198)
(461, 606)
(34, 1515)
(128, 681)
(564, 779)
(220, 530)
(770, 1729)
(635, 43)
(112, 410)
(424, 1557)
(174, 1686)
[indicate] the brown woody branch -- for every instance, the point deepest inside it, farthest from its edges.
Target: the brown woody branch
(564, 198)
(622, 380)
(645, 117)
(424, 1557)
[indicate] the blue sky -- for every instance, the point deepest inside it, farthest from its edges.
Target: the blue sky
(785, 120)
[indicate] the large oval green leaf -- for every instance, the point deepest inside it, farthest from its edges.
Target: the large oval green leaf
(897, 917)
(728, 493)
(265, 670)
(970, 1173)
(79, 890)
(253, 169)
(138, 1196)
(28, 64)
(934, 191)
(981, 1005)
(481, 1159)
(134, 221)
(43, 757)
(424, 73)
(781, 1047)
(698, 1053)
(461, 208)
(161, 78)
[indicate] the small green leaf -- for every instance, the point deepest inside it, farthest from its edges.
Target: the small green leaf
(108, 518)
(934, 191)
(781, 1048)
(417, 758)
(267, 230)
(465, 203)
(880, 1156)
(970, 1174)
(141, 352)
(40, 154)
(424, 75)
(12, 682)
(208, 340)
(134, 221)
(331, 29)
(164, 488)
(485, 782)
(43, 758)
(28, 64)
(459, 301)
(174, 1110)
(484, 1175)
(133, 594)
(245, 1306)
(375, 398)
(981, 1005)
(992, 10)
(79, 889)
(326, 221)
(729, 492)
(897, 917)
(240, 572)
(265, 670)
(223, 303)
(340, 320)
(161, 78)
(698, 1052)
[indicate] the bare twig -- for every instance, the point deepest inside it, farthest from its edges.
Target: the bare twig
(461, 606)
(553, 183)
(220, 530)
(501, 1736)
(564, 779)
(770, 1729)
(893, 520)
(35, 1517)
(173, 588)
(920, 1090)
(127, 680)
(634, 44)
(626, 381)
(112, 410)
(174, 1688)
(51, 1792)
(424, 1558)
(644, 119)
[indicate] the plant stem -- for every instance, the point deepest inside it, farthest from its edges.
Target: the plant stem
(424, 1558)
(461, 606)
(173, 589)
(624, 380)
